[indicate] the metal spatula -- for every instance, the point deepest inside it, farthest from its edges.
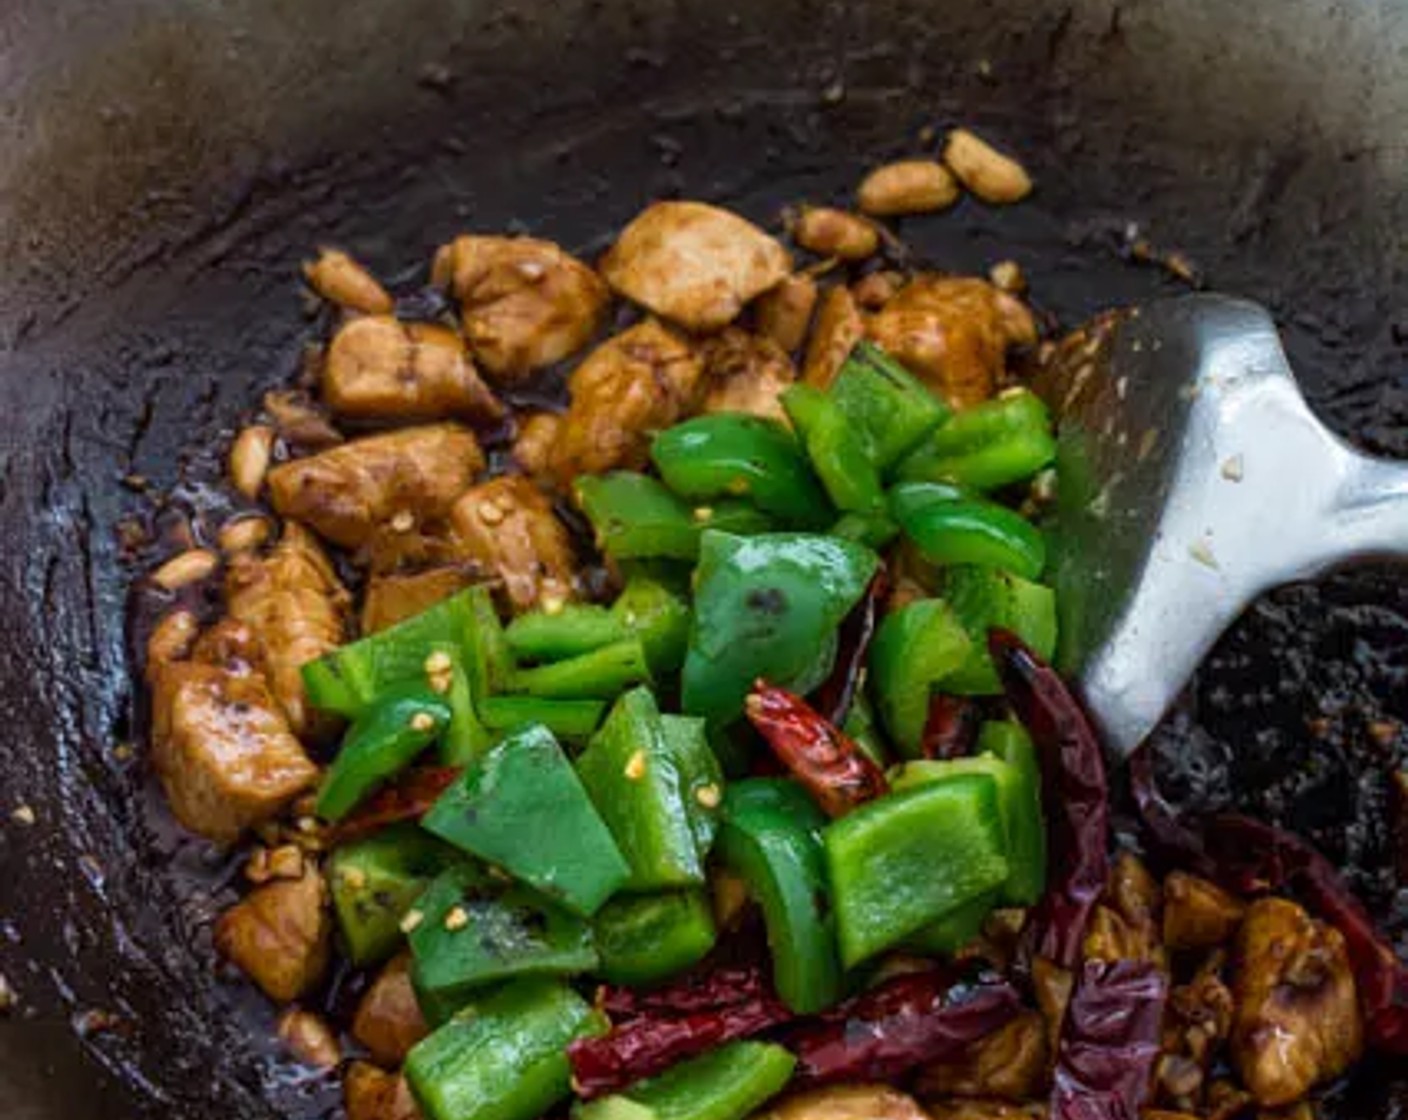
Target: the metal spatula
(1191, 477)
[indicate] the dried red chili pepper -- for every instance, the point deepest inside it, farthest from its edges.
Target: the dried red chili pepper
(700, 991)
(1167, 837)
(1074, 793)
(408, 798)
(951, 728)
(834, 695)
(909, 1020)
(817, 753)
(1109, 1041)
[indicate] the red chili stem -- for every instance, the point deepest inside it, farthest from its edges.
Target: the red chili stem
(834, 696)
(951, 728)
(407, 799)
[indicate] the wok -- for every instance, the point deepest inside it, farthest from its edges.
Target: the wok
(167, 163)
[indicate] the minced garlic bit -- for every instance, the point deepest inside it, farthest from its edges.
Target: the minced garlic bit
(24, 815)
(552, 603)
(635, 767)
(490, 514)
(404, 521)
(354, 877)
(422, 721)
(708, 796)
(412, 920)
(307, 824)
(1201, 551)
(703, 513)
(1233, 469)
(457, 918)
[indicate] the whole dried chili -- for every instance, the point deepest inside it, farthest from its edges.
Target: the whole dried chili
(906, 1021)
(408, 798)
(702, 990)
(1074, 793)
(952, 727)
(1109, 1041)
(834, 695)
(822, 757)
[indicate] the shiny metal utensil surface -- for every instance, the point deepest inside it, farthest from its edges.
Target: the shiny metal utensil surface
(1192, 476)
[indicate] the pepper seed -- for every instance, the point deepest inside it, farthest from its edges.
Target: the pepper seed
(437, 663)
(708, 796)
(404, 521)
(635, 767)
(457, 918)
(412, 920)
(422, 721)
(704, 513)
(354, 877)
(24, 815)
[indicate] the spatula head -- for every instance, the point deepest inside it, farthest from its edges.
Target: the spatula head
(1191, 477)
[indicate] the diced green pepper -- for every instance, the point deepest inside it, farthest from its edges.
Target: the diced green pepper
(573, 629)
(600, 675)
(729, 1083)
(838, 451)
(635, 516)
(957, 928)
(863, 730)
(491, 661)
(727, 454)
(522, 807)
(991, 445)
(985, 597)
(1009, 741)
(473, 930)
(950, 526)
(374, 882)
(641, 790)
(916, 646)
(567, 719)
(385, 739)
(650, 611)
(505, 1056)
(905, 860)
(764, 606)
(887, 405)
(771, 839)
(874, 530)
(646, 938)
(701, 777)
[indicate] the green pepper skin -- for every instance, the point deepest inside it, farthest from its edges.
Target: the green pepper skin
(885, 403)
(915, 647)
(386, 739)
(522, 807)
(735, 455)
(994, 444)
(863, 729)
(573, 629)
(837, 450)
(646, 938)
(1009, 741)
(701, 776)
(573, 720)
(505, 1056)
(951, 527)
(728, 1083)
(904, 860)
(985, 597)
(636, 517)
(374, 882)
(874, 530)
(956, 929)
(650, 611)
(764, 607)
(771, 839)
(602, 674)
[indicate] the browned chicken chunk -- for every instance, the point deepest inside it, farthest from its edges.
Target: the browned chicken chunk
(784, 313)
(403, 478)
(507, 529)
(280, 934)
(388, 1020)
(845, 1102)
(975, 1108)
(525, 303)
(537, 439)
(953, 334)
(837, 329)
(746, 373)
(378, 368)
(392, 598)
(374, 1094)
(1198, 914)
(694, 264)
(1297, 1020)
(1126, 925)
(309, 1038)
(339, 279)
(1009, 1063)
(627, 389)
(294, 603)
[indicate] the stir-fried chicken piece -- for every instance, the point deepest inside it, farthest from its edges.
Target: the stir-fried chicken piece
(388, 1020)
(339, 279)
(280, 934)
(976, 1108)
(524, 302)
(626, 390)
(1297, 1020)
(379, 368)
(845, 1102)
(746, 373)
(537, 438)
(403, 478)
(232, 645)
(1197, 1022)
(953, 334)
(309, 1038)
(507, 528)
(784, 313)
(1126, 925)
(374, 1094)
(838, 327)
(1198, 914)
(1009, 1063)
(391, 598)
(293, 601)
(1051, 985)
(694, 264)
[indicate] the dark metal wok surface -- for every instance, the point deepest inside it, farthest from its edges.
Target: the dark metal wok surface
(167, 163)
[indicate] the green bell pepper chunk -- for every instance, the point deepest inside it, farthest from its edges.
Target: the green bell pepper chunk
(770, 838)
(636, 517)
(474, 930)
(864, 731)
(567, 719)
(573, 629)
(885, 403)
(904, 860)
(1009, 741)
(728, 1083)
(376, 880)
(956, 929)
(991, 445)
(522, 807)
(915, 647)
(650, 611)
(874, 530)
(385, 740)
(951, 527)
(730, 454)
(642, 791)
(837, 450)
(645, 938)
(765, 606)
(983, 598)
(701, 776)
(505, 1056)
(600, 675)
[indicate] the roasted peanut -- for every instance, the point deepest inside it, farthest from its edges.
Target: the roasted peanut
(986, 172)
(835, 233)
(910, 186)
(249, 459)
(341, 280)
